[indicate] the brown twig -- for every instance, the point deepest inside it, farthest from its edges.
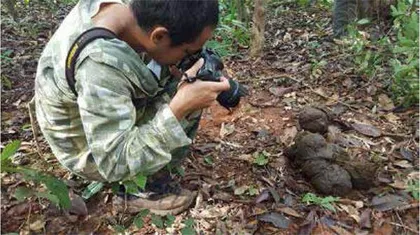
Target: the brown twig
(406, 207)
(401, 222)
(29, 216)
(403, 226)
(396, 135)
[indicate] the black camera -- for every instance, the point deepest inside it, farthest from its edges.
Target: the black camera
(212, 71)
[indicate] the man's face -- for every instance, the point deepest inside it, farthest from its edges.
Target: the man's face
(165, 54)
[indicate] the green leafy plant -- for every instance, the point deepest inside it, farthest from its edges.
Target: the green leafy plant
(303, 3)
(405, 62)
(325, 202)
(132, 185)
(231, 33)
(189, 227)
(57, 191)
(5, 82)
(208, 160)
(322, 3)
(261, 158)
(414, 188)
(159, 221)
(5, 56)
(399, 54)
(138, 220)
(252, 191)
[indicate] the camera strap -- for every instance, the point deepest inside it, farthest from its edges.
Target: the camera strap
(79, 44)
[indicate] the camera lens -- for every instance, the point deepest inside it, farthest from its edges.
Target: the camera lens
(231, 98)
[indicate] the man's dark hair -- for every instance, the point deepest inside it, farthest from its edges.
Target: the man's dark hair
(184, 19)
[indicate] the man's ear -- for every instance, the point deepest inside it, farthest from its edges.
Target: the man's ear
(160, 36)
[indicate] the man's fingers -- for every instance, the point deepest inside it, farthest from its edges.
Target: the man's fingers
(194, 69)
(223, 85)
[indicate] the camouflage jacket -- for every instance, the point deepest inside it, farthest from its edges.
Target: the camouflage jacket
(102, 134)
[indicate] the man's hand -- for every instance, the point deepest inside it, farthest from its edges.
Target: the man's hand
(197, 95)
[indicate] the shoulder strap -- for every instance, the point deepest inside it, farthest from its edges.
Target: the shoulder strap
(77, 47)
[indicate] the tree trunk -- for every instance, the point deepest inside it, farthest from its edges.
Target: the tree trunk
(257, 31)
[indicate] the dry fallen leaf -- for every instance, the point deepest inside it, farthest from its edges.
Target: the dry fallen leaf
(211, 213)
(288, 136)
(352, 211)
(226, 129)
(388, 202)
(403, 164)
(385, 102)
(37, 225)
(78, 206)
(289, 211)
(263, 196)
(398, 184)
(277, 219)
(367, 129)
(280, 91)
(392, 118)
(365, 219)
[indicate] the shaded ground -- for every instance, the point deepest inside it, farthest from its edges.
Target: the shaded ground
(291, 74)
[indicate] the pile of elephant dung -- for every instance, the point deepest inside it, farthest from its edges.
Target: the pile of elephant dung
(327, 166)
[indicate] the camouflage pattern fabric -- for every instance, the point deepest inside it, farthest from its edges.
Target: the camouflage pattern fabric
(103, 134)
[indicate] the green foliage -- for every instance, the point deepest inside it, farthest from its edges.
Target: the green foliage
(325, 202)
(119, 228)
(260, 158)
(57, 190)
(162, 222)
(252, 191)
(138, 220)
(303, 3)
(170, 219)
(405, 62)
(130, 187)
(5, 56)
(399, 53)
(180, 171)
(414, 189)
(140, 181)
(21, 193)
(321, 3)
(9, 151)
(157, 220)
(208, 160)
(5, 82)
(189, 227)
(230, 33)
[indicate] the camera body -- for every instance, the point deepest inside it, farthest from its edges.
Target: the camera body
(212, 71)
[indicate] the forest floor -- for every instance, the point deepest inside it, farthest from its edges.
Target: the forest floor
(301, 66)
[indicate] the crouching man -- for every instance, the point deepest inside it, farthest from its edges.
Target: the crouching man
(114, 110)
